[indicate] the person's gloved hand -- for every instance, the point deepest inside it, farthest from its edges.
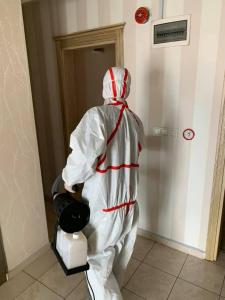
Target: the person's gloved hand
(68, 188)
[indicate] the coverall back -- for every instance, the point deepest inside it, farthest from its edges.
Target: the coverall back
(105, 151)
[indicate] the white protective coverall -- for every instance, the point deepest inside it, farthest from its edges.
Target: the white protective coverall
(105, 151)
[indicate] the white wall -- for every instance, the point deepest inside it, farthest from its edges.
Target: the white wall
(22, 213)
(176, 87)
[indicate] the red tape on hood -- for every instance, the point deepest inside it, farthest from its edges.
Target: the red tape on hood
(113, 83)
(124, 84)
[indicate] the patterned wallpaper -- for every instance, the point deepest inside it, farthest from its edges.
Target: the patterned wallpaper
(22, 213)
(176, 87)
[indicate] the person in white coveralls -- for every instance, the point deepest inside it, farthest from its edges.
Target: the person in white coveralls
(105, 151)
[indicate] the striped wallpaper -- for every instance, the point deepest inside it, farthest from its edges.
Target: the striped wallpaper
(177, 87)
(22, 211)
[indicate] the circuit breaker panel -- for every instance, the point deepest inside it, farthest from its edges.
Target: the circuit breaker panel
(171, 32)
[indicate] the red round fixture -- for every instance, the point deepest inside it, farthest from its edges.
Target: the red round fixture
(188, 134)
(142, 15)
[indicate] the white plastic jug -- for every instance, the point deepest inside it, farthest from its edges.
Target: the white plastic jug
(72, 247)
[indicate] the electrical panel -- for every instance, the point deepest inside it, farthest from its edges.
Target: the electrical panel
(171, 32)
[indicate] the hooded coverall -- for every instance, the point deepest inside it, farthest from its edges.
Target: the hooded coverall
(105, 151)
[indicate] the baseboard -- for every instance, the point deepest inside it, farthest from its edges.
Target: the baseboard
(172, 244)
(27, 262)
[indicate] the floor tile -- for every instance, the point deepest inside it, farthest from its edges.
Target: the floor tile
(150, 283)
(56, 280)
(142, 247)
(127, 295)
(37, 291)
(80, 293)
(132, 267)
(203, 274)
(15, 286)
(166, 259)
(41, 265)
(187, 291)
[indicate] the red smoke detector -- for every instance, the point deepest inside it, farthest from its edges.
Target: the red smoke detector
(142, 15)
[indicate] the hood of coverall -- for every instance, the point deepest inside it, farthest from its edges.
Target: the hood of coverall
(116, 84)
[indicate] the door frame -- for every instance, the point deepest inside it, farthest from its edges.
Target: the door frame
(106, 35)
(217, 200)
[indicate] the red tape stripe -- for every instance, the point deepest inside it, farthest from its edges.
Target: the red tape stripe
(117, 103)
(115, 168)
(119, 206)
(113, 82)
(139, 147)
(101, 160)
(124, 84)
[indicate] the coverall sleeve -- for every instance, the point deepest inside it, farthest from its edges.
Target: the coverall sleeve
(140, 131)
(87, 142)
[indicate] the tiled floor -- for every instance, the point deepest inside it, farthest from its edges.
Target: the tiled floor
(155, 272)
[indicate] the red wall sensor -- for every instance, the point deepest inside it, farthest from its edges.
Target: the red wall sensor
(142, 15)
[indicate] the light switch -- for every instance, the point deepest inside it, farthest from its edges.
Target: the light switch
(163, 131)
(159, 131)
